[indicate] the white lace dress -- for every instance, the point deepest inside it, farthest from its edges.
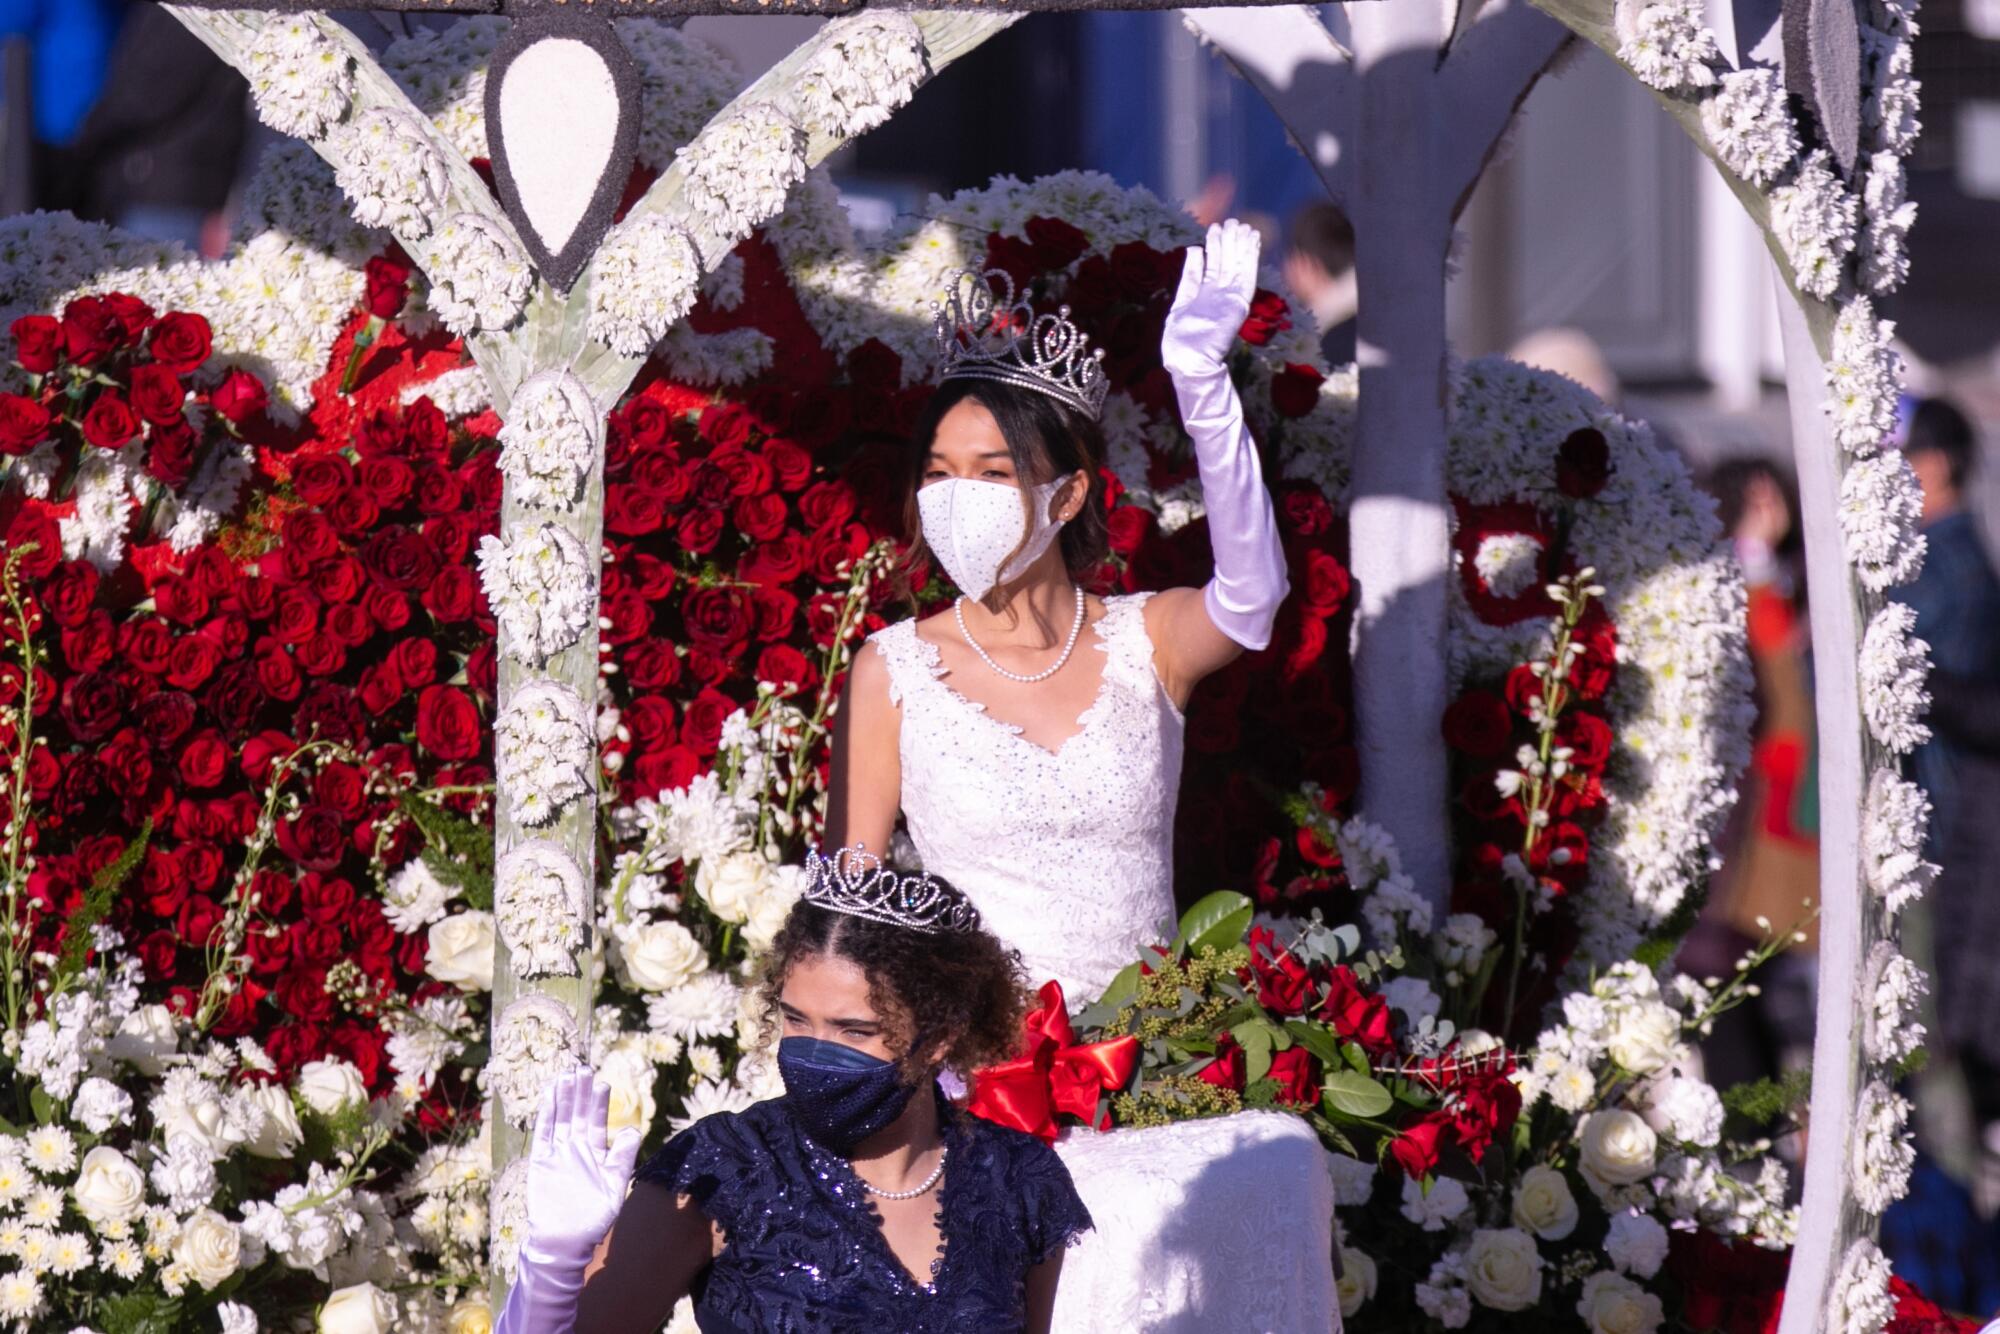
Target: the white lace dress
(1205, 1227)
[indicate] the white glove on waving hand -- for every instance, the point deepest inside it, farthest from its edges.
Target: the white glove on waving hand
(576, 1184)
(1216, 288)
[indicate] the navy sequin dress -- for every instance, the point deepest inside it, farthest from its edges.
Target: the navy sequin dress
(804, 1251)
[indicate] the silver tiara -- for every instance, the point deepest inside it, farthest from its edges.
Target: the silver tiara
(854, 881)
(985, 334)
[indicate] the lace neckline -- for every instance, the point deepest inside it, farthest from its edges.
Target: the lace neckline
(933, 656)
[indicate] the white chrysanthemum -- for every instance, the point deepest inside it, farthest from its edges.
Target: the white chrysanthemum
(302, 81)
(550, 439)
(1864, 374)
(1889, 213)
(393, 172)
(1750, 125)
(1881, 1152)
(1508, 563)
(732, 357)
(50, 1149)
(1895, 823)
(423, 1039)
(200, 509)
(414, 896)
(1880, 505)
(542, 589)
(704, 1007)
(706, 1099)
(683, 83)
(538, 899)
(1890, 112)
(480, 279)
(464, 392)
(1435, 1210)
(534, 1041)
(543, 751)
(20, 1296)
(867, 65)
(1667, 43)
(508, 1216)
(1861, 1300)
(738, 171)
(1814, 218)
(1893, 666)
(1894, 991)
(645, 278)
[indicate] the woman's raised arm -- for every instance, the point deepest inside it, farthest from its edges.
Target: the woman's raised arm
(866, 788)
(646, 1264)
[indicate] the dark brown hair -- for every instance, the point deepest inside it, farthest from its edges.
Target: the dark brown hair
(962, 990)
(1045, 438)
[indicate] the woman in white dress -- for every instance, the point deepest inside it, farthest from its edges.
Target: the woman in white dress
(1031, 741)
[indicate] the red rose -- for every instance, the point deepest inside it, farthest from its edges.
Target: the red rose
(1298, 1083)
(1326, 582)
(633, 512)
(448, 723)
(110, 423)
(1283, 983)
(415, 661)
(70, 595)
(1268, 315)
(1589, 736)
(352, 512)
(717, 620)
(240, 397)
(88, 645)
(761, 518)
(315, 838)
(1478, 724)
(333, 711)
(1057, 244)
(380, 688)
(387, 609)
(1355, 1015)
(1416, 1149)
(159, 951)
(180, 342)
(791, 465)
(668, 769)
(1485, 1108)
(170, 454)
(165, 716)
(702, 725)
(400, 559)
(388, 285)
(725, 425)
(197, 920)
(301, 991)
(1583, 463)
(652, 577)
(699, 531)
(778, 561)
(450, 597)
(1295, 389)
(1303, 509)
(1131, 526)
(386, 480)
(204, 760)
(193, 661)
(784, 665)
(1141, 271)
(1227, 1070)
(826, 503)
(669, 480)
(482, 669)
(439, 491)
(651, 664)
(240, 1013)
(24, 424)
(94, 704)
(326, 900)
(157, 394)
(38, 343)
(648, 423)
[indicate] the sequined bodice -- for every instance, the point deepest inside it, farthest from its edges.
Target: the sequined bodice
(803, 1249)
(1068, 854)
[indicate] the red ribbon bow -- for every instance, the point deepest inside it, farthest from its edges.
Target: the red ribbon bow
(1054, 1074)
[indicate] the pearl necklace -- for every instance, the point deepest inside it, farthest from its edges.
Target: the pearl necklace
(929, 1181)
(1069, 646)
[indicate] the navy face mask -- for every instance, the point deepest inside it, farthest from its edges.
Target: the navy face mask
(840, 1096)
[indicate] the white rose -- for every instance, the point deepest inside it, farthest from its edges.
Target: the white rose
(1645, 1037)
(1503, 1269)
(208, 1247)
(471, 1316)
(662, 955)
(461, 951)
(203, 1119)
(733, 886)
(1614, 1304)
(100, 1105)
(280, 1133)
(1544, 1205)
(768, 919)
(631, 1076)
(331, 1086)
(1357, 1281)
(1637, 1244)
(109, 1187)
(145, 1039)
(1618, 1148)
(361, 1309)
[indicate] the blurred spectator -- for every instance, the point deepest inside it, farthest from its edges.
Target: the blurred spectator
(158, 154)
(1319, 268)
(69, 43)
(1572, 353)
(1770, 868)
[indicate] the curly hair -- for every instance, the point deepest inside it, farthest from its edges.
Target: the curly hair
(969, 989)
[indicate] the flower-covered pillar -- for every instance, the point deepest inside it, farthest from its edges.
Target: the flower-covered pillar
(1828, 194)
(558, 356)
(1399, 123)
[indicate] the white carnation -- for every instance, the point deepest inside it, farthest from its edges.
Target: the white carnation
(1636, 1243)
(100, 1105)
(1434, 1210)
(1683, 1109)
(539, 900)
(1893, 665)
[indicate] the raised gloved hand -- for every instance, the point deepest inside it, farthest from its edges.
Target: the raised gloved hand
(1216, 288)
(576, 1184)
(1217, 283)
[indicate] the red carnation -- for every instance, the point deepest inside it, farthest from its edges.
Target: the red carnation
(388, 285)
(1583, 464)
(38, 343)
(240, 397)
(1295, 389)
(448, 723)
(180, 342)
(110, 423)
(24, 424)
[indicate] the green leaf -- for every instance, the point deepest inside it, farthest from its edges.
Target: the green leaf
(1357, 1059)
(97, 899)
(43, 1105)
(1319, 1041)
(1123, 987)
(1356, 1095)
(1217, 921)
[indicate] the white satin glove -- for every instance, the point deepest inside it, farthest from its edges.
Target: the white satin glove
(576, 1184)
(1217, 284)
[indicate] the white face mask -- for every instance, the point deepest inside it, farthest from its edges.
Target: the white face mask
(971, 526)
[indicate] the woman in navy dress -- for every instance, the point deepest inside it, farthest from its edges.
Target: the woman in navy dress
(862, 1200)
